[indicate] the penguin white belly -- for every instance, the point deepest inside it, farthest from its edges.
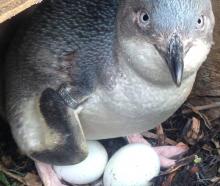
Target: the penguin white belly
(130, 109)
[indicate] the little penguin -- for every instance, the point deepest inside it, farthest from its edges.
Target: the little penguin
(98, 69)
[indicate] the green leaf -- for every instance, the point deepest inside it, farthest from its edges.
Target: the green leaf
(197, 159)
(4, 180)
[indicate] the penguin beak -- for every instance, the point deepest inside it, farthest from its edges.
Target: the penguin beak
(174, 59)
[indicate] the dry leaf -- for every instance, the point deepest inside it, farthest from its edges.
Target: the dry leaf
(193, 132)
(32, 180)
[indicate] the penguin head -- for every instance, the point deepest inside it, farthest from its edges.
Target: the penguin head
(163, 40)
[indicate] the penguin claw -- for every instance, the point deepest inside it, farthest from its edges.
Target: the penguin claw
(165, 153)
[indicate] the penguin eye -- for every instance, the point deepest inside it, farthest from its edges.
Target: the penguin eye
(143, 18)
(200, 22)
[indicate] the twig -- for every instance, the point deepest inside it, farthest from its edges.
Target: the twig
(215, 181)
(202, 108)
(11, 175)
(202, 116)
(179, 164)
(161, 135)
(154, 136)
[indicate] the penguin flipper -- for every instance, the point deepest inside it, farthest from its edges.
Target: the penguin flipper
(62, 120)
(47, 129)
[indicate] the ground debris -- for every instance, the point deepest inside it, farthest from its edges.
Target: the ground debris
(201, 165)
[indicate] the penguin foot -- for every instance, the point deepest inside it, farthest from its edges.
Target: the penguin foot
(47, 174)
(165, 153)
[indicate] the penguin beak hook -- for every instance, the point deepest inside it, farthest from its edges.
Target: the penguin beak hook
(174, 59)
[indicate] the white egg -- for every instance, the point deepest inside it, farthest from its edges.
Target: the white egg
(89, 170)
(132, 165)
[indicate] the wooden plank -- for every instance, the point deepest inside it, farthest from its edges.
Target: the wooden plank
(9, 8)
